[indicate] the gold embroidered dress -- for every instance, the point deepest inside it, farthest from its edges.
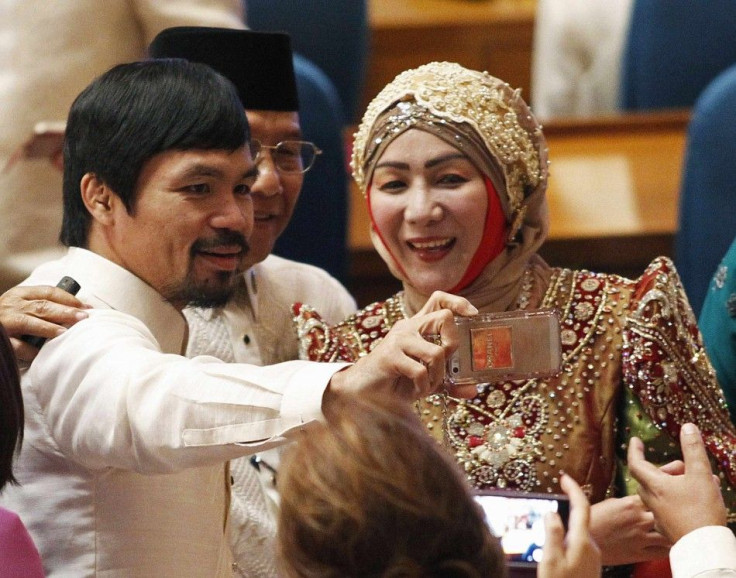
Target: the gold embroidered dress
(633, 359)
(632, 355)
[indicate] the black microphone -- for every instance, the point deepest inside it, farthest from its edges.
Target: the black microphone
(70, 286)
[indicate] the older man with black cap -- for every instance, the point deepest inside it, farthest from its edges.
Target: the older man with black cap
(255, 326)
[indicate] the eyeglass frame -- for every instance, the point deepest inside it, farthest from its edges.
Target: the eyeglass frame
(258, 147)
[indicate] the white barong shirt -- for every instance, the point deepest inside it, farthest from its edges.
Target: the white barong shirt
(123, 470)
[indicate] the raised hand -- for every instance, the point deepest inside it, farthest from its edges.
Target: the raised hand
(405, 363)
(681, 498)
(575, 555)
(626, 531)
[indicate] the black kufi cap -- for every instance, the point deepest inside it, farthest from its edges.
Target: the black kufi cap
(259, 64)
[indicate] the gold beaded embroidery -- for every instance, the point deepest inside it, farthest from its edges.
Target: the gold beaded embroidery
(639, 334)
(503, 452)
(514, 434)
(447, 92)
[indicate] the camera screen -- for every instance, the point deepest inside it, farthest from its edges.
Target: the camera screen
(519, 523)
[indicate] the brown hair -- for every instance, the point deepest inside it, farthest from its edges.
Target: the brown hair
(373, 495)
(11, 409)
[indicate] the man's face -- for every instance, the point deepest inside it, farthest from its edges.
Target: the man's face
(274, 193)
(187, 232)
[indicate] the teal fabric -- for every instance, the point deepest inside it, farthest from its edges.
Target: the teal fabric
(718, 325)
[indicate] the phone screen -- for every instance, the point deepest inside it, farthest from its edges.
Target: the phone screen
(518, 521)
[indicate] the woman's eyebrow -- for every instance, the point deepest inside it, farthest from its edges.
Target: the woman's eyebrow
(393, 165)
(444, 158)
(428, 165)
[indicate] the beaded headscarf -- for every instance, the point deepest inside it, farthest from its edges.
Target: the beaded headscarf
(475, 112)
(487, 120)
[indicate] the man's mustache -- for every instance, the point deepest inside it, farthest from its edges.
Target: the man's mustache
(222, 238)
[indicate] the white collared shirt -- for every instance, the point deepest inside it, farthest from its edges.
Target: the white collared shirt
(262, 305)
(122, 469)
(271, 287)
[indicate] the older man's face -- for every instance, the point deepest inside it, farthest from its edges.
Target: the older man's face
(275, 193)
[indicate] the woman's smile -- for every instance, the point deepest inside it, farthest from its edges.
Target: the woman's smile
(431, 248)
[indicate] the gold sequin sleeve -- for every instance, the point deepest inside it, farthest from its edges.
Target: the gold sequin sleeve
(667, 372)
(350, 339)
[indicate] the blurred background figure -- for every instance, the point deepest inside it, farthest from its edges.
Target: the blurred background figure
(50, 51)
(707, 204)
(576, 57)
(673, 49)
(677, 55)
(718, 325)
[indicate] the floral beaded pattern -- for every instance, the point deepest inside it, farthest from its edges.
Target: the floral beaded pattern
(616, 333)
(676, 383)
(496, 437)
(519, 435)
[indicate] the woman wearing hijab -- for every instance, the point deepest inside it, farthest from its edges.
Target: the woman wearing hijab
(453, 165)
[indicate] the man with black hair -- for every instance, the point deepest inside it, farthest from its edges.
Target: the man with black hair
(124, 466)
(255, 326)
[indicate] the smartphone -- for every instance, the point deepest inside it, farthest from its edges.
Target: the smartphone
(506, 346)
(70, 286)
(517, 518)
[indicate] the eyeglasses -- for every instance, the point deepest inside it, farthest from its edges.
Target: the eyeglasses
(289, 156)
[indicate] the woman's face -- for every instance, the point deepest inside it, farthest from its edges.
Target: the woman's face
(429, 204)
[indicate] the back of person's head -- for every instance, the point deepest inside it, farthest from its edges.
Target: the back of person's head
(134, 112)
(11, 409)
(371, 494)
